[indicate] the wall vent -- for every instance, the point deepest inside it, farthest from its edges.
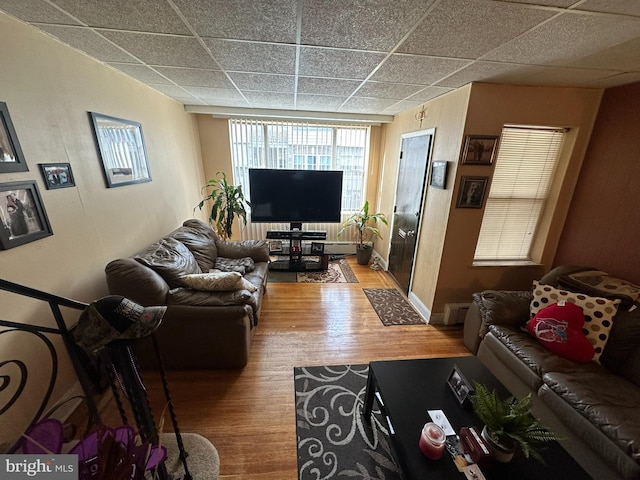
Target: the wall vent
(455, 312)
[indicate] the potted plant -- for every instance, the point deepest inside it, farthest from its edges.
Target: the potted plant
(509, 424)
(364, 223)
(228, 202)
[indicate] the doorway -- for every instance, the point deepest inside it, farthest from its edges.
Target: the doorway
(415, 153)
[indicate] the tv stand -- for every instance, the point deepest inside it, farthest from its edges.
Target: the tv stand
(297, 251)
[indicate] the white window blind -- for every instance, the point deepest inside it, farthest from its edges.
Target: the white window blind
(524, 170)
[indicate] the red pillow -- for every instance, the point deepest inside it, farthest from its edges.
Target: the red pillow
(559, 329)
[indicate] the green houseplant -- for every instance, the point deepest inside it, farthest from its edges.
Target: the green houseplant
(227, 203)
(509, 424)
(365, 225)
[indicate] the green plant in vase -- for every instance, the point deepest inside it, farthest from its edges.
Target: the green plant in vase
(365, 226)
(228, 202)
(509, 424)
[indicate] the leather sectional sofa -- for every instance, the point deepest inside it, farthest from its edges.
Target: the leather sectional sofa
(595, 404)
(201, 329)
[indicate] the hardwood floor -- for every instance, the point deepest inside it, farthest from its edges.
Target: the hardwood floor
(249, 414)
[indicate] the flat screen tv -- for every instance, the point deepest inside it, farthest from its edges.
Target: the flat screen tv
(296, 196)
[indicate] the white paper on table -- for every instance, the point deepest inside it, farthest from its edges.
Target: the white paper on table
(439, 418)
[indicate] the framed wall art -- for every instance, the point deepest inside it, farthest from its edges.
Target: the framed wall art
(11, 157)
(471, 193)
(57, 175)
(122, 151)
(23, 218)
(479, 149)
(439, 174)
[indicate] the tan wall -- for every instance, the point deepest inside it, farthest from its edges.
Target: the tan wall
(49, 88)
(604, 225)
(490, 107)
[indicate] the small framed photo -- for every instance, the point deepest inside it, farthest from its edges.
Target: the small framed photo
(11, 157)
(57, 175)
(439, 174)
(471, 193)
(275, 246)
(460, 387)
(23, 218)
(479, 149)
(317, 248)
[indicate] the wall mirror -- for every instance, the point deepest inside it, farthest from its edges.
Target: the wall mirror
(121, 149)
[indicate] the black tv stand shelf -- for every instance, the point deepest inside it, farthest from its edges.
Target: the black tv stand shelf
(297, 252)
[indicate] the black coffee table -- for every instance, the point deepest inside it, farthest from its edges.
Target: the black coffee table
(408, 388)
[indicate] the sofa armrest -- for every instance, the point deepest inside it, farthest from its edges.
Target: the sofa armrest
(131, 279)
(494, 307)
(258, 250)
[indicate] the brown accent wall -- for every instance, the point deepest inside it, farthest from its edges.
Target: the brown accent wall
(603, 226)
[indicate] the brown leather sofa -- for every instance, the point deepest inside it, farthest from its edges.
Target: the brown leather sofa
(595, 406)
(201, 329)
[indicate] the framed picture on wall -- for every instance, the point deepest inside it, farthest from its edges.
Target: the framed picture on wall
(479, 149)
(57, 175)
(11, 157)
(439, 174)
(471, 194)
(23, 218)
(122, 150)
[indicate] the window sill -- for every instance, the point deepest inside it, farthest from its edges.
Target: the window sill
(505, 263)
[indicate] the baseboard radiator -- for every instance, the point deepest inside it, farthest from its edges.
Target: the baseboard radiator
(455, 312)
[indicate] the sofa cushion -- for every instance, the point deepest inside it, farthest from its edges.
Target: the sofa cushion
(631, 368)
(624, 338)
(558, 328)
(218, 282)
(608, 401)
(502, 307)
(200, 239)
(170, 258)
(598, 312)
(199, 298)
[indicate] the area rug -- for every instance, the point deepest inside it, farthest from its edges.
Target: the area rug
(333, 439)
(392, 307)
(339, 271)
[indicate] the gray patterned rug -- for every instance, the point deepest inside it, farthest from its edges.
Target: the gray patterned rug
(392, 307)
(333, 439)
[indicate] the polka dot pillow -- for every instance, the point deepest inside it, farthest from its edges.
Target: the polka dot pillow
(598, 312)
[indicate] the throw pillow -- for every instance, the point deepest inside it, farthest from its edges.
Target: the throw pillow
(598, 312)
(558, 328)
(218, 282)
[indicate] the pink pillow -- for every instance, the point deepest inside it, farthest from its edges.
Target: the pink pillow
(559, 329)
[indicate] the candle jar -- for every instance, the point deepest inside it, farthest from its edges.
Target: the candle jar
(432, 441)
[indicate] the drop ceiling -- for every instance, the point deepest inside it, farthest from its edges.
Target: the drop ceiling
(356, 57)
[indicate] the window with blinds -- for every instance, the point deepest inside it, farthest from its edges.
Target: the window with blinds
(302, 146)
(524, 170)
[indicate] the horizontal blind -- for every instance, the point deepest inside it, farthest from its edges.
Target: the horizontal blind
(524, 170)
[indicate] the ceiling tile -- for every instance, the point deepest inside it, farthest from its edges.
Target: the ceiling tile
(166, 50)
(172, 91)
(567, 39)
(468, 29)
(261, 20)
(371, 25)
(548, 3)
(416, 70)
(363, 104)
(625, 7)
(214, 93)
(616, 80)
(623, 56)
(334, 63)
(36, 11)
(189, 100)
(327, 86)
(88, 41)
(136, 15)
(270, 100)
(489, 72)
(559, 76)
(264, 82)
(253, 56)
(395, 91)
(142, 73)
(400, 106)
(322, 103)
(196, 77)
(428, 93)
